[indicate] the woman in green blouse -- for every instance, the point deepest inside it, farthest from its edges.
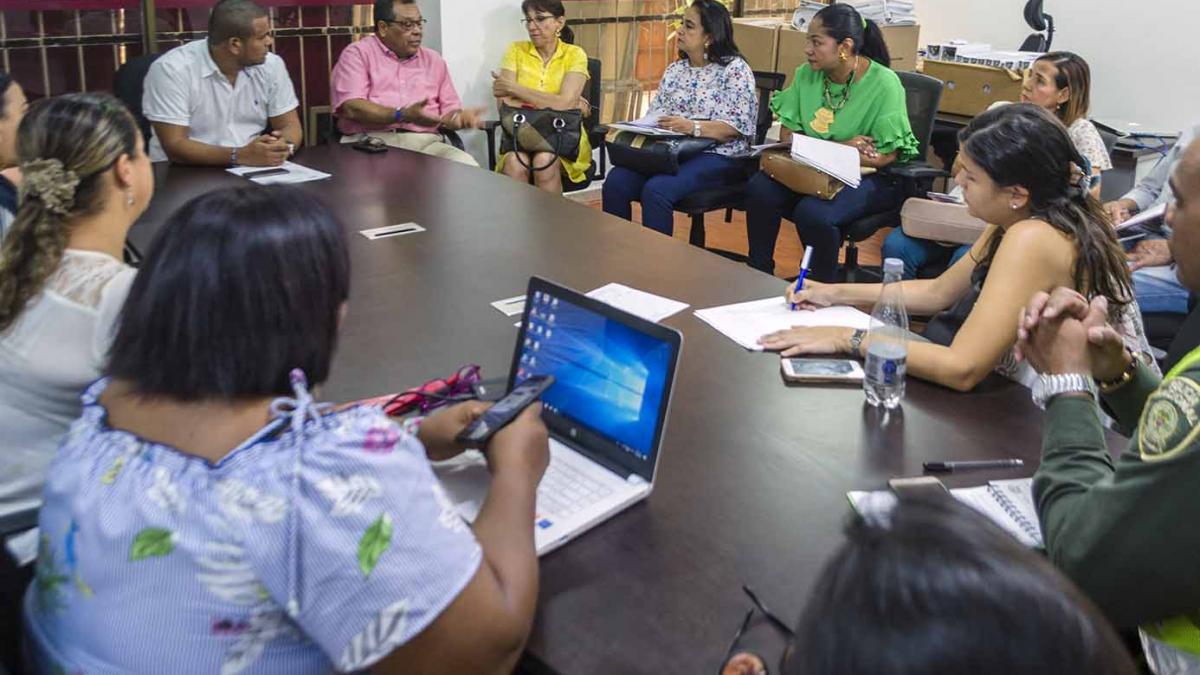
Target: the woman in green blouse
(848, 94)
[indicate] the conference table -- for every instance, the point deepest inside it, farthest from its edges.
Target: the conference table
(753, 474)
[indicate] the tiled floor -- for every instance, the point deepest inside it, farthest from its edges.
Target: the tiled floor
(732, 237)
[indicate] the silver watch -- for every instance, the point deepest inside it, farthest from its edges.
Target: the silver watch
(856, 339)
(1047, 387)
(695, 129)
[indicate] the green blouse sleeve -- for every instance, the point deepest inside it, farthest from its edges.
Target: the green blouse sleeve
(890, 129)
(786, 103)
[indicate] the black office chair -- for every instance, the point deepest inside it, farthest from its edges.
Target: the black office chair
(1187, 336)
(128, 87)
(923, 95)
(1039, 21)
(12, 524)
(592, 127)
(732, 197)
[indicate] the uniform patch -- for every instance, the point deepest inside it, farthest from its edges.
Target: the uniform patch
(1169, 421)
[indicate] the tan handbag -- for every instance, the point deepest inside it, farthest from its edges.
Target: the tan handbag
(797, 177)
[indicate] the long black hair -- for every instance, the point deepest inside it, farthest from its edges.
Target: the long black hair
(1023, 144)
(933, 588)
(554, 8)
(241, 286)
(715, 20)
(841, 22)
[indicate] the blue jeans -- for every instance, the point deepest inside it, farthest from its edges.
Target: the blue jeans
(917, 253)
(818, 222)
(659, 193)
(1157, 289)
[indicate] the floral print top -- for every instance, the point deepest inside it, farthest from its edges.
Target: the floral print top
(714, 92)
(322, 542)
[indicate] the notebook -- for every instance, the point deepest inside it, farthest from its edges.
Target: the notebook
(1007, 503)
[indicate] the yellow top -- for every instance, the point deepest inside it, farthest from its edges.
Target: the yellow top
(523, 59)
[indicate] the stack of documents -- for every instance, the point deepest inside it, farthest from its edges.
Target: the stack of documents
(746, 322)
(647, 125)
(887, 12)
(805, 12)
(833, 159)
(639, 303)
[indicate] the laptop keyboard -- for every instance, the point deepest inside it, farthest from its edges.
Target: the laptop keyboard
(565, 490)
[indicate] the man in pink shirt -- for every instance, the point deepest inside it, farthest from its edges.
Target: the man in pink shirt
(390, 87)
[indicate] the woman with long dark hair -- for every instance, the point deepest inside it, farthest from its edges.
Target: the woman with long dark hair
(708, 93)
(846, 93)
(1021, 172)
(1061, 83)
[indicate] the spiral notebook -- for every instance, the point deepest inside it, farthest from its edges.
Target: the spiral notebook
(1008, 503)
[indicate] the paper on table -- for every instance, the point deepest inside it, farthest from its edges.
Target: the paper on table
(295, 174)
(1143, 217)
(835, 159)
(510, 306)
(639, 303)
(746, 322)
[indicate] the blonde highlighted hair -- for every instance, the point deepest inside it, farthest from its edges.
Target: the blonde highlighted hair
(65, 145)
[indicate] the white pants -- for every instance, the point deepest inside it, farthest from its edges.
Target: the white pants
(426, 144)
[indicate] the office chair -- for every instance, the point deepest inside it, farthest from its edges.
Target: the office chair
(923, 95)
(592, 127)
(128, 85)
(1039, 21)
(1187, 336)
(326, 126)
(732, 197)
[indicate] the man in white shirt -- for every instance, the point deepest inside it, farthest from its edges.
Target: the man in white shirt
(211, 101)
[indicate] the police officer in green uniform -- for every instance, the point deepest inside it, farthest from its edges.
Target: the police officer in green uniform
(1127, 532)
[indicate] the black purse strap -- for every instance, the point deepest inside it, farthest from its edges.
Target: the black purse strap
(559, 126)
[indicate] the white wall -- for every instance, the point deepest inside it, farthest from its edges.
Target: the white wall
(1141, 53)
(432, 10)
(474, 36)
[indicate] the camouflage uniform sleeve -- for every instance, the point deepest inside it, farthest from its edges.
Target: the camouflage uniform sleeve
(1123, 531)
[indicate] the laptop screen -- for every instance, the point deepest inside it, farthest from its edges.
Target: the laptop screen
(612, 373)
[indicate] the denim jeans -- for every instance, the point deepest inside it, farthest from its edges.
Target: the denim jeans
(1158, 290)
(818, 222)
(659, 193)
(917, 253)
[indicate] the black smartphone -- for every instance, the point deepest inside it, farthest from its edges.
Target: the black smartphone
(264, 173)
(370, 145)
(505, 410)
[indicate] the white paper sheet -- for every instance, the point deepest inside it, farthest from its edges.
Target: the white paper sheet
(639, 303)
(746, 322)
(510, 306)
(835, 159)
(295, 173)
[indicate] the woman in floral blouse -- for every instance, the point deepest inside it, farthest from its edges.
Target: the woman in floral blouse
(709, 92)
(204, 515)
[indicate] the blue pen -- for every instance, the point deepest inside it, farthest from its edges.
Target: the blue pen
(803, 271)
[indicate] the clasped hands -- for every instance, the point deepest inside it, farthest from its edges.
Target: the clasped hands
(1062, 332)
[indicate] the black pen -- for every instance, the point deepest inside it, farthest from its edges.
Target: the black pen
(951, 467)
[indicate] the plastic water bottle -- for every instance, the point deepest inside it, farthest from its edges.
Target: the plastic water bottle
(887, 349)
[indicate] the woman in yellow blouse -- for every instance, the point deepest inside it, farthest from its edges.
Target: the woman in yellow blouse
(547, 71)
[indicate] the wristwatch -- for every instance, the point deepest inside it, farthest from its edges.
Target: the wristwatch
(856, 339)
(695, 128)
(233, 157)
(1048, 386)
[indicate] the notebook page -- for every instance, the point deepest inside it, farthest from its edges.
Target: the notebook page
(983, 500)
(835, 159)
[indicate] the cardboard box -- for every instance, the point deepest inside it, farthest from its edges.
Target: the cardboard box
(901, 41)
(970, 89)
(758, 40)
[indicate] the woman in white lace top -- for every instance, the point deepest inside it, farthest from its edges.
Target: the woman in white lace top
(62, 282)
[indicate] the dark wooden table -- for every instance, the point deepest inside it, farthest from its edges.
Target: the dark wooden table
(752, 481)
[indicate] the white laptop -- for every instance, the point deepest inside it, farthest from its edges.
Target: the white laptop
(606, 411)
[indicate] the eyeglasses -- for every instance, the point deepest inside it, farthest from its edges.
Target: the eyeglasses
(772, 618)
(406, 25)
(429, 396)
(537, 19)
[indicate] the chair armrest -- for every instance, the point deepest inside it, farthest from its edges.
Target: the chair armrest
(916, 171)
(489, 128)
(452, 137)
